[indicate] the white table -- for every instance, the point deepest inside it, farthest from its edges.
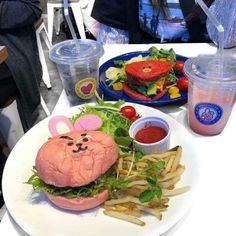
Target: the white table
(213, 211)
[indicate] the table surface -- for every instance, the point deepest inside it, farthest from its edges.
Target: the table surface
(212, 212)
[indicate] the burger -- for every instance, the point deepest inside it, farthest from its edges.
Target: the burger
(71, 165)
(147, 80)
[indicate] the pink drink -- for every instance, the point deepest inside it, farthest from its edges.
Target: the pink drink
(209, 109)
(211, 94)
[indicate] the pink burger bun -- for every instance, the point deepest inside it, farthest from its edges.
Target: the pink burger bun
(79, 204)
(76, 159)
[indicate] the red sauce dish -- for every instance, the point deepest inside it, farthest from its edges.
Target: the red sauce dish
(151, 134)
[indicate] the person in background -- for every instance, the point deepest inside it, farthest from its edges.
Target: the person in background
(21, 73)
(112, 20)
(178, 21)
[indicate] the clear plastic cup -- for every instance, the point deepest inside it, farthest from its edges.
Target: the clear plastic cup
(78, 67)
(212, 92)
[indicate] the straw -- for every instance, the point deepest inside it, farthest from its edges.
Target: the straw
(215, 22)
(68, 20)
(219, 28)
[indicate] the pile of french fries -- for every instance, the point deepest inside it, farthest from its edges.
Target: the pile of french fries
(126, 204)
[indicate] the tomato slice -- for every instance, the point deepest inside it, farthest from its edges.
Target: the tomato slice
(178, 67)
(129, 112)
(182, 83)
(138, 96)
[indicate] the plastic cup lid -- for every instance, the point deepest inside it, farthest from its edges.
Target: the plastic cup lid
(210, 69)
(67, 52)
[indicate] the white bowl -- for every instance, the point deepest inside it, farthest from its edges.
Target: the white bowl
(157, 147)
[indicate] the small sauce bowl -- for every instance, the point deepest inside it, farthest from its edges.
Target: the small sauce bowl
(142, 126)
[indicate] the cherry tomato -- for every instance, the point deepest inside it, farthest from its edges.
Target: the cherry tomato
(134, 118)
(129, 112)
(182, 83)
(178, 67)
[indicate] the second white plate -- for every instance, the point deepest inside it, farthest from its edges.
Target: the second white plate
(37, 216)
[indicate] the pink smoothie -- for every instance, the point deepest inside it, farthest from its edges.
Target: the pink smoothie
(209, 108)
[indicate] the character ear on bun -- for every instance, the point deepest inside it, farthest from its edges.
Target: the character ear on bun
(83, 123)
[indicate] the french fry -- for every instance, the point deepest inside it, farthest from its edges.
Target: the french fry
(173, 192)
(120, 163)
(163, 155)
(141, 164)
(125, 172)
(110, 208)
(127, 210)
(128, 158)
(159, 202)
(138, 188)
(135, 192)
(137, 182)
(122, 200)
(136, 213)
(121, 208)
(170, 182)
(176, 159)
(127, 206)
(153, 211)
(178, 172)
(150, 158)
(168, 165)
(123, 216)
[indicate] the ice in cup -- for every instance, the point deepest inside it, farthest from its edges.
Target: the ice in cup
(78, 66)
(211, 93)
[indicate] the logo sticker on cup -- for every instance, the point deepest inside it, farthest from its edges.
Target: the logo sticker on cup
(208, 113)
(85, 88)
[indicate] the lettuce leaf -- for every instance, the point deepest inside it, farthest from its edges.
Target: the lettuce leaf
(106, 181)
(110, 115)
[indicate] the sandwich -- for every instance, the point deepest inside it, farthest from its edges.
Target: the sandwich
(147, 80)
(69, 167)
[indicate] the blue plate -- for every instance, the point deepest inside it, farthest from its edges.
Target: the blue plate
(116, 95)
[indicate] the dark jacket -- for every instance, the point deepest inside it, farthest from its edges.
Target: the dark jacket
(123, 14)
(17, 33)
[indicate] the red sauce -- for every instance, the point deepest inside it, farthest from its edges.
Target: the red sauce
(150, 134)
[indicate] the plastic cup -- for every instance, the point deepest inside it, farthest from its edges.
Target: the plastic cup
(212, 92)
(78, 67)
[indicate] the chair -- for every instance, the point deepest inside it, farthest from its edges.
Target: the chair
(53, 5)
(10, 124)
(41, 30)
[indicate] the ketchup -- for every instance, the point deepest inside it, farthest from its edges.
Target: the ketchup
(150, 134)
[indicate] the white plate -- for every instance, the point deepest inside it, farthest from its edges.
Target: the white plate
(37, 216)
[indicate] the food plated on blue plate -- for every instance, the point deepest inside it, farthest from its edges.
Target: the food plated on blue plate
(147, 77)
